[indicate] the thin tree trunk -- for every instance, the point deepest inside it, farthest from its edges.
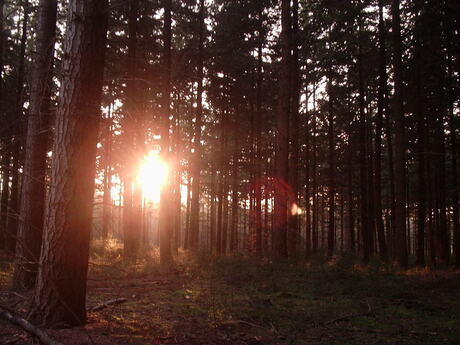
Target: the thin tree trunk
(331, 191)
(196, 167)
(400, 142)
(282, 140)
(293, 218)
(378, 138)
(165, 224)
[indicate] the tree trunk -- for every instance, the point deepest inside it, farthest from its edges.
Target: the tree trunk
(400, 142)
(293, 226)
(165, 223)
(32, 205)
(282, 140)
(258, 160)
(331, 191)
(196, 164)
(378, 138)
(60, 293)
(363, 166)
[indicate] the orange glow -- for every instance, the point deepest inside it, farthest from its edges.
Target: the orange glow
(152, 176)
(296, 210)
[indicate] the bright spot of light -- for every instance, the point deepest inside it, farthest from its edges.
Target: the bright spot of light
(296, 210)
(152, 176)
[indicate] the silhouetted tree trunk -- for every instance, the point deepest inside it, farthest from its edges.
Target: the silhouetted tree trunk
(400, 141)
(107, 198)
(234, 220)
(131, 203)
(258, 160)
(421, 157)
(59, 297)
(363, 166)
(196, 164)
(165, 223)
(331, 191)
(17, 119)
(293, 227)
(282, 139)
(378, 138)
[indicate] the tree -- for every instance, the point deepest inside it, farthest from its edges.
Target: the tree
(165, 224)
(196, 162)
(279, 245)
(34, 175)
(400, 141)
(59, 297)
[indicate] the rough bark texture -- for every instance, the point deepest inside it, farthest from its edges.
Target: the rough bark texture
(60, 293)
(34, 176)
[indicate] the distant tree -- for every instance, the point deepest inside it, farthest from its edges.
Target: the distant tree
(166, 223)
(279, 245)
(34, 173)
(197, 157)
(400, 141)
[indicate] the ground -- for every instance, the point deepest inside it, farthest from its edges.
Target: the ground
(235, 300)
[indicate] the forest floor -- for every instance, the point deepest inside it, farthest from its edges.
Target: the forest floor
(236, 300)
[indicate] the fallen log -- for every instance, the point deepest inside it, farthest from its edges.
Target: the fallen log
(108, 303)
(27, 326)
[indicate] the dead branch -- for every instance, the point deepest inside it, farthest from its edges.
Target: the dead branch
(27, 326)
(108, 303)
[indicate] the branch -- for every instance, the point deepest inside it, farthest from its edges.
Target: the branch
(108, 303)
(27, 326)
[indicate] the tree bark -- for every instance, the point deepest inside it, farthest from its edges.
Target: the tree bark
(59, 297)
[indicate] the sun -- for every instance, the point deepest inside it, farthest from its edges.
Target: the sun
(152, 176)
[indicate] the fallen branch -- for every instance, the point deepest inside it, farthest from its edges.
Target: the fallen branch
(108, 303)
(27, 326)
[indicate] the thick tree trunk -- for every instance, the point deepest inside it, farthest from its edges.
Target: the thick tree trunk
(60, 293)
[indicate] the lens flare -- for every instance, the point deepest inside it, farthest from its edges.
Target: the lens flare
(152, 176)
